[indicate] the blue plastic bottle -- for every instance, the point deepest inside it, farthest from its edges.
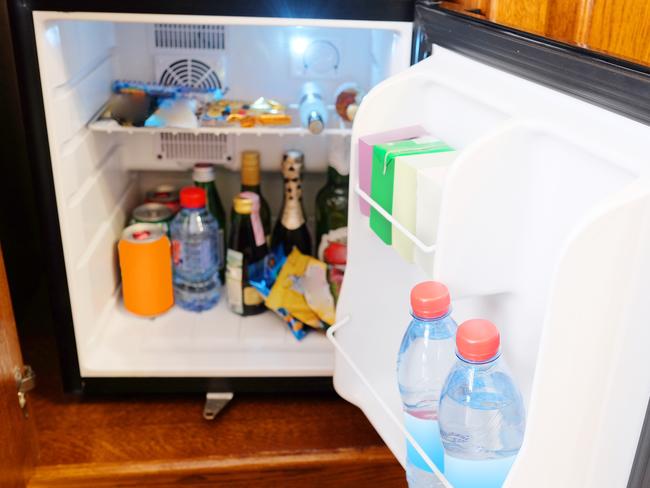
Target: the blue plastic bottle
(425, 358)
(482, 416)
(195, 253)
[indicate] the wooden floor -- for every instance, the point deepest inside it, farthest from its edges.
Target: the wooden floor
(259, 440)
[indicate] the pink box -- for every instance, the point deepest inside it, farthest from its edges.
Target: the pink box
(366, 145)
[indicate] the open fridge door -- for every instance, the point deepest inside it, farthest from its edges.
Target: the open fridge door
(543, 229)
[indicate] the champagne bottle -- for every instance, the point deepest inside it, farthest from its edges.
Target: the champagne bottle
(291, 228)
(246, 246)
(250, 182)
(204, 177)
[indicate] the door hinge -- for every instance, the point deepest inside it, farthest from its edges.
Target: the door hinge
(215, 403)
(25, 381)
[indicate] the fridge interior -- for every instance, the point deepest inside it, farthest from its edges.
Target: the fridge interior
(101, 172)
(543, 229)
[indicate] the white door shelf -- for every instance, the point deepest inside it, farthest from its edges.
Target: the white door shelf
(544, 229)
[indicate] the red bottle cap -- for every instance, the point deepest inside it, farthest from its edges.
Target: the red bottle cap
(477, 340)
(430, 299)
(192, 197)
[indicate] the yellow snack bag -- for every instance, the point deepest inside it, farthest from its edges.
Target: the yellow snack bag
(302, 290)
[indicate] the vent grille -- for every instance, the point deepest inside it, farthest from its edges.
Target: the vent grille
(190, 72)
(184, 36)
(213, 148)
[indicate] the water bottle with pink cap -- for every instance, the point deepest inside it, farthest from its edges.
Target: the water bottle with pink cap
(482, 416)
(425, 358)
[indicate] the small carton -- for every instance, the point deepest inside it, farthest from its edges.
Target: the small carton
(383, 177)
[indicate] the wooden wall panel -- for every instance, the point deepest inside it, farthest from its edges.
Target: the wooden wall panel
(530, 16)
(620, 28)
(617, 27)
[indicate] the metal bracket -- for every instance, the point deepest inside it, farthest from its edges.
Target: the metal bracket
(25, 381)
(215, 403)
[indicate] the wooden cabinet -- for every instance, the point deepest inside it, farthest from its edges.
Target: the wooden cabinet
(619, 28)
(17, 432)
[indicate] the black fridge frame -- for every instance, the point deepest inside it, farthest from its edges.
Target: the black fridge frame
(608, 82)
(33, 117)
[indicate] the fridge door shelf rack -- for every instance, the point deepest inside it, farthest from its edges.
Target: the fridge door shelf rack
(426, 248)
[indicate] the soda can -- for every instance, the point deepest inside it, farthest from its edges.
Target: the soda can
(146, 268)
(153, 213)
(168, 195)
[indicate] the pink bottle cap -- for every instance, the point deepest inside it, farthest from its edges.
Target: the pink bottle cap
(430, 299)
(477, 340)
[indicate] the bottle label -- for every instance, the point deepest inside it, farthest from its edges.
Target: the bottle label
(252, 297)
(234, 276)
(292, 217)
(427, 434)
(333, 250)
(469, 473)
(339, 236)
(189, 258)
(258, 230)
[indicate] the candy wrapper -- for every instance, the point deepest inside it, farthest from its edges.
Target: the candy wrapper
(302, 289)
(262, 111)
(295, 288)
(262, 276)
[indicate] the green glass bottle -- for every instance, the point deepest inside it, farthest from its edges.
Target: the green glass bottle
(246, 246)
(250, 181)
(332, 221)
(204, 177)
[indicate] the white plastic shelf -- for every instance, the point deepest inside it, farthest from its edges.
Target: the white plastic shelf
(335, 127)
(213, 343)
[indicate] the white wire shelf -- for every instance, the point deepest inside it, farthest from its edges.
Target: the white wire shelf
(426, 248)
(335, 127)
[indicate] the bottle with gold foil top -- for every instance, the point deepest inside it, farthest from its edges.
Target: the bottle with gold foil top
(291, 228)
(246, 246)
(250, 181)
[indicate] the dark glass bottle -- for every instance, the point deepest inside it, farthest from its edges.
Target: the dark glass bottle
(291, 228)
(331, 210)
(250, 181)
(204, 177)
(332, 227)
(246, 246)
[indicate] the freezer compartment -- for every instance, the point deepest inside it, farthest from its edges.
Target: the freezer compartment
(543, 230)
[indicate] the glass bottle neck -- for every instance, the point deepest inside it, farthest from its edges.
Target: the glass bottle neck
(335, 178)
(251, 188)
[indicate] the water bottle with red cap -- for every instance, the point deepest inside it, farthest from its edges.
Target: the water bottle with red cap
(195, 253)
(482, 416)
(425, 358)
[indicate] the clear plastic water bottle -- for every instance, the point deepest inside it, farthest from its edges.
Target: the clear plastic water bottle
(313, 112)
(195, 253)
(425, 358)
(482, 415)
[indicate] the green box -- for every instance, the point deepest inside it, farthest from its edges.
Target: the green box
(383, 176)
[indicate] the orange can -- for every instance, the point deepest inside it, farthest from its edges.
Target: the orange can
(146, 267)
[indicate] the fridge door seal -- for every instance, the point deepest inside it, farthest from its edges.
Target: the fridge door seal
(613, 84)
(394, 10)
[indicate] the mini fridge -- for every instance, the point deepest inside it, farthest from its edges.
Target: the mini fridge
(543, 226)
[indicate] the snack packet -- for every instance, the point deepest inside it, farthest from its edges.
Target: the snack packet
(302, 290)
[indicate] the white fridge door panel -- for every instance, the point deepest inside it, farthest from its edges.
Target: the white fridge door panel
(545, 188)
